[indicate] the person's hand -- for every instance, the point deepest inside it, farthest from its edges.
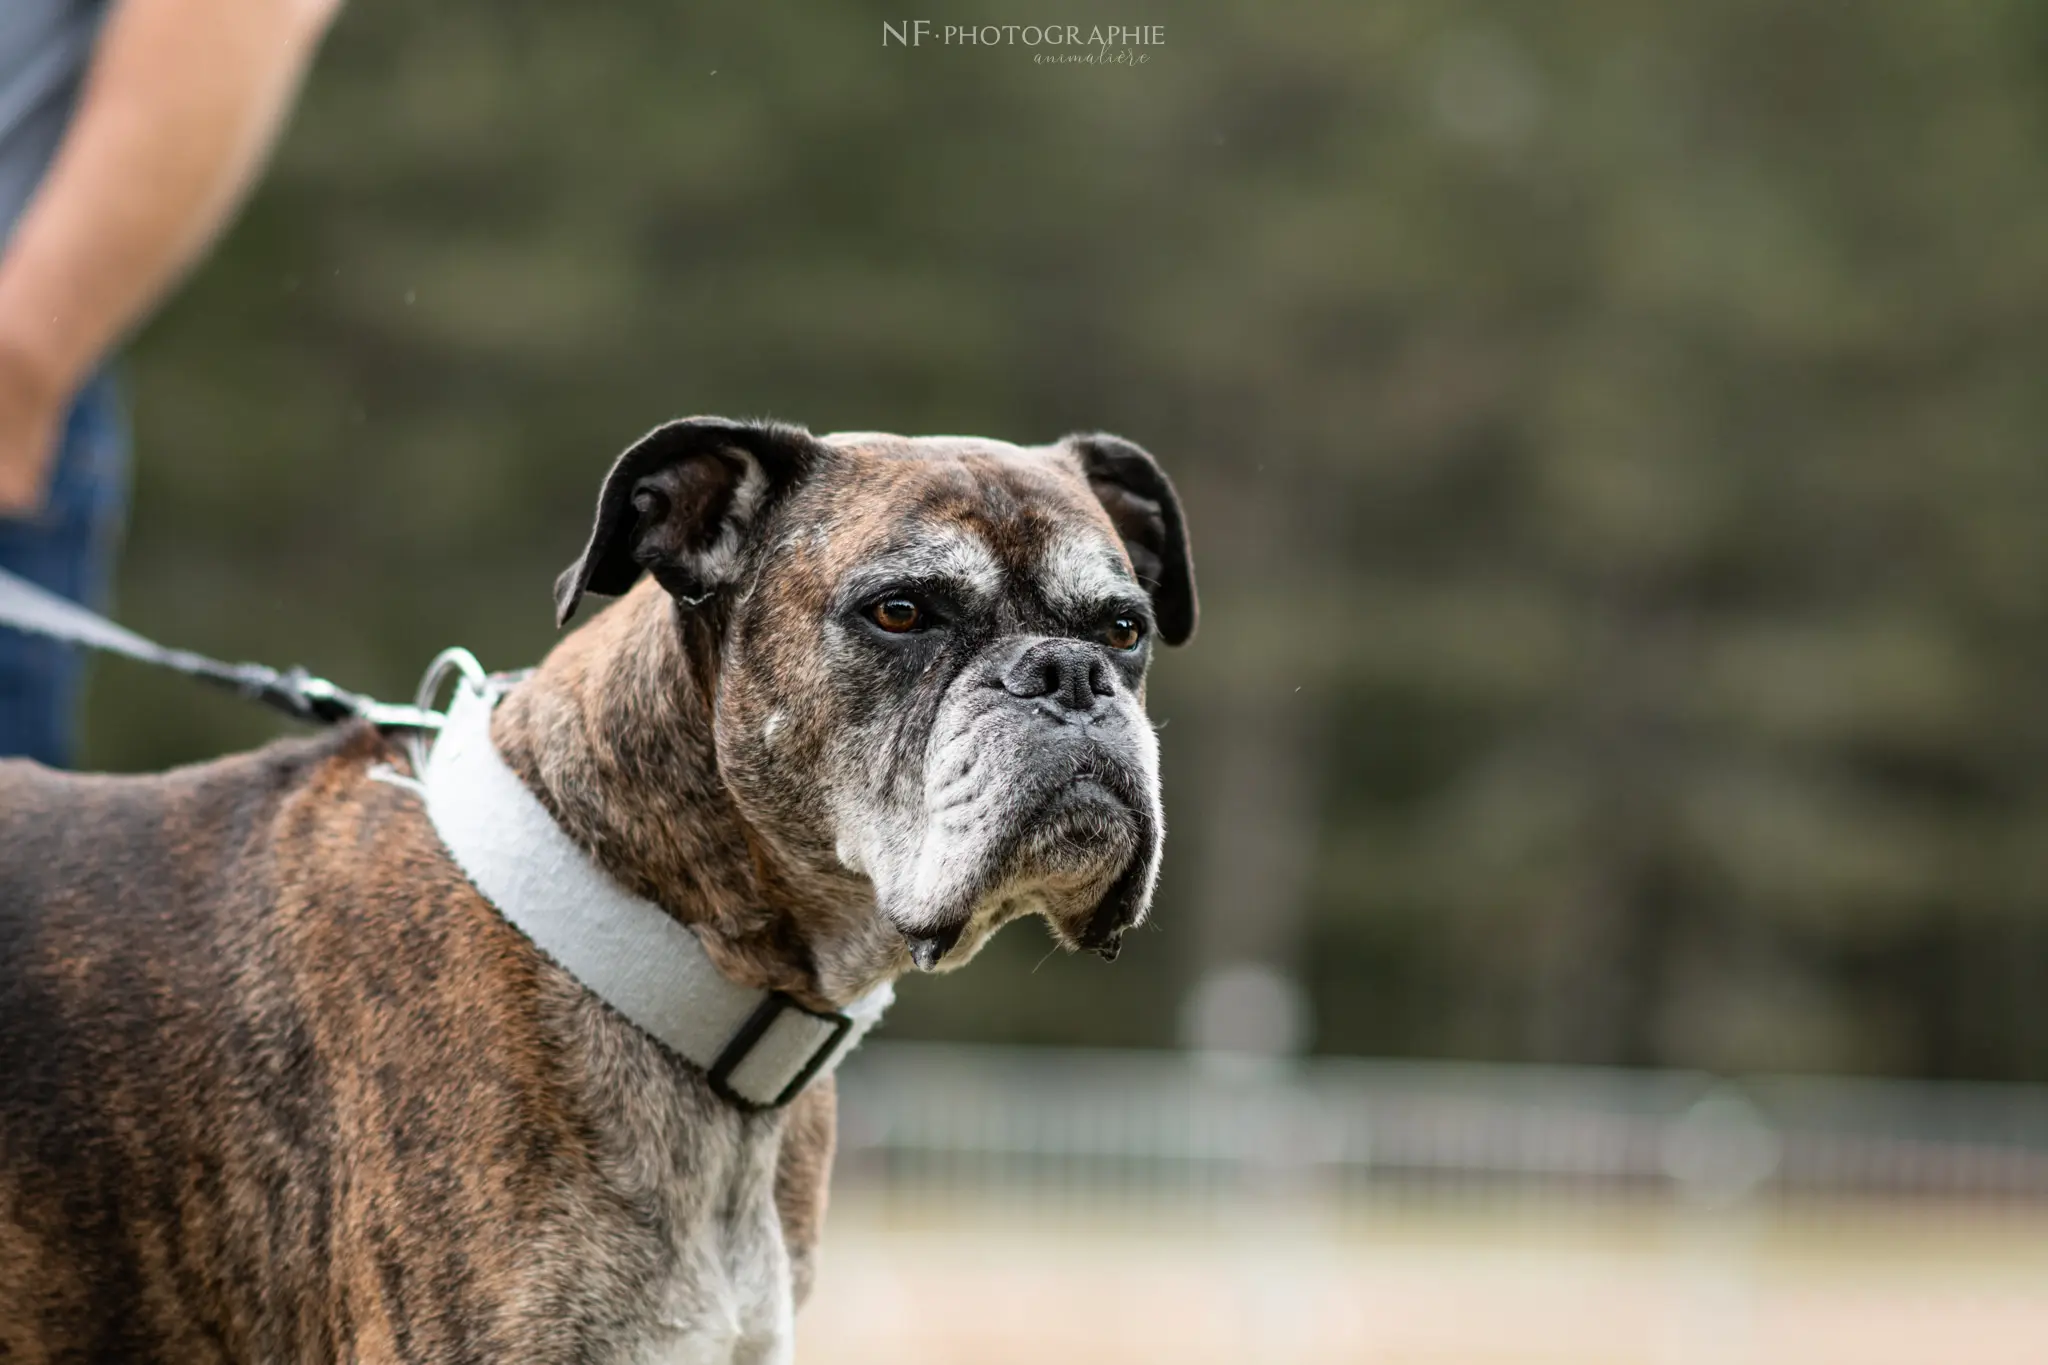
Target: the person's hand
(30, 410)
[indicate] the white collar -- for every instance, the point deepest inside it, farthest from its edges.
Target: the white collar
(759, 1048)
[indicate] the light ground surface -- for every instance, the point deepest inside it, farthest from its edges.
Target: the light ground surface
(973, 1279)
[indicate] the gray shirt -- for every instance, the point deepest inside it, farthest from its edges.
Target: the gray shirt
(44, 47)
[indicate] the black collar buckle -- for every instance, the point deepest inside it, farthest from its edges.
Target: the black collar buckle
(736, 1051)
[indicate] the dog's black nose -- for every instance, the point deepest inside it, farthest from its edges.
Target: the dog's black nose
(1068, 673)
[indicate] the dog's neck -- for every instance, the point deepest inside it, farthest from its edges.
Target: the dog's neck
(614, 734)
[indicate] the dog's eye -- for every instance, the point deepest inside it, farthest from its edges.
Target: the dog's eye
(1124, 633)
(896, 615)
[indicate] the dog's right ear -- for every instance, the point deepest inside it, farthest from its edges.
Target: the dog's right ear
(680, 504)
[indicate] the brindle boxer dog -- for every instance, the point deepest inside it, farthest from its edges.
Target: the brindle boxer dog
(280, 1085)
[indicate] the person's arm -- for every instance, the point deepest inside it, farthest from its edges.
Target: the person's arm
(179, 107)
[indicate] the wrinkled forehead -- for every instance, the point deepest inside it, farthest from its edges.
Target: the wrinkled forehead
(983, 515)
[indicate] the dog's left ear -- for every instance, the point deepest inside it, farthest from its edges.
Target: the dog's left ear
(1141, 503)
(680, 504)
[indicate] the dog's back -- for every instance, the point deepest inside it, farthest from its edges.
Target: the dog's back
(130, 1002)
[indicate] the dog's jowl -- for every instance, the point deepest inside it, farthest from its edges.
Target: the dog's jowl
(279, 1083)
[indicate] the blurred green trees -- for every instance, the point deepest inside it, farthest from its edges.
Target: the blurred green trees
(1612, 436)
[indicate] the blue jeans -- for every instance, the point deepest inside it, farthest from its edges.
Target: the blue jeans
(68, 547)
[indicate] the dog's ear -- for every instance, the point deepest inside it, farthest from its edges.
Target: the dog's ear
(680, 504)
(1141, 503)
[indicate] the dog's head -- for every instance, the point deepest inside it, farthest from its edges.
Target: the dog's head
(928, 658)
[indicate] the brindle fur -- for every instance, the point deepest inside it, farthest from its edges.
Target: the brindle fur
(279, 1085)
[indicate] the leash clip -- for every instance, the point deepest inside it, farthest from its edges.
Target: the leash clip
(455, 662)
(315, 698)
(318, 699)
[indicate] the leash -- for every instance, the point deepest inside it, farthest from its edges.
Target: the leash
(294, 691)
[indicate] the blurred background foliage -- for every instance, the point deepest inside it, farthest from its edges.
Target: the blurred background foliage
(1611, 433)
